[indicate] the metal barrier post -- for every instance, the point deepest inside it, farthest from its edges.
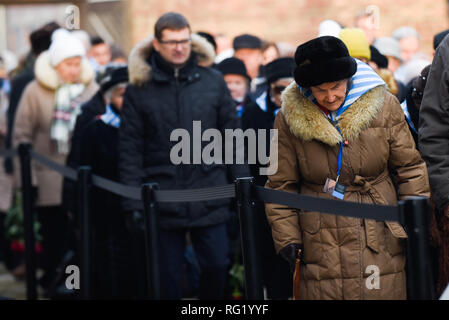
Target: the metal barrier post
(248, 232)
(415, 214)
(83, 183)
(28, 220)
(151, 240)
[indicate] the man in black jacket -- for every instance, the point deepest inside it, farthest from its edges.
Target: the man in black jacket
(169, 91)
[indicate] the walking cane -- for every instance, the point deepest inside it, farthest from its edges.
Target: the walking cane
(296, 276)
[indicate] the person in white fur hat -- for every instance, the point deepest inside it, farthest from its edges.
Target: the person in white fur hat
(46, 114)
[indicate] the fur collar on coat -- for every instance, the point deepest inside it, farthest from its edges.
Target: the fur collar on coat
(308, 123)
(140, 70)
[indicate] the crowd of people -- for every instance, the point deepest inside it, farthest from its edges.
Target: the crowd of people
(346, 106)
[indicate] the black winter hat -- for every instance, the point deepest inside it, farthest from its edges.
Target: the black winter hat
(279, 68)
(378, 58)
(233, 66)
(323, 59)
(113, 76)
(438, 38)
(246, 41)
(40, 39)
(210, 38)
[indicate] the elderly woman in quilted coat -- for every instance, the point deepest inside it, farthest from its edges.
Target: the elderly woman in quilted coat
(338, 105)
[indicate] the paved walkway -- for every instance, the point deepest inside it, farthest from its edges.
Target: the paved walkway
(10, 287)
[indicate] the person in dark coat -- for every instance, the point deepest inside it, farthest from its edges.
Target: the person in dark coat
(275, 270)
(169, 90)
(114, 273)
(238, 82)
(248, 48)
(113, 74)
(434, 148)
(412, 102)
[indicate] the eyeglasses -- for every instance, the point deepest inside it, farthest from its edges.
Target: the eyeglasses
(174, 43)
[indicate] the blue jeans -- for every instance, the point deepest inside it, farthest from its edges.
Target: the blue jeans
(211, 249)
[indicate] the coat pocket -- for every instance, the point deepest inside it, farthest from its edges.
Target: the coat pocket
(310, 223)
(394, 238)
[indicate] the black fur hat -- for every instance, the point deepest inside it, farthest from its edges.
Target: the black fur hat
(233, 66)
(378, 58)
(323, 59)
(113, 75)
(279, 68)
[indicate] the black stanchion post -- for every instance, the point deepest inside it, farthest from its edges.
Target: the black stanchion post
(28, 219)
(83, 183)
(248, 232)
(415, 216)
(151, 240)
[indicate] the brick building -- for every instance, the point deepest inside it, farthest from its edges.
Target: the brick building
(294, 21)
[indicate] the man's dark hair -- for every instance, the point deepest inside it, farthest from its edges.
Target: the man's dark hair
(96, 40)
(170, 20)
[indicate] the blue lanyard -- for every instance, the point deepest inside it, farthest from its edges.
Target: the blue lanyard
(340, 152)
(240, 108)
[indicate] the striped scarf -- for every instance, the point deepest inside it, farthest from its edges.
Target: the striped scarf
(110, 117)
(361, 82)
(407, 116)
(67, 108)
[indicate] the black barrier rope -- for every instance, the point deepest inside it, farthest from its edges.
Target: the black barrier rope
(66, 172)
(194, 195)
(117, 188)
(336, 207)
(7, 153)
(292, 200)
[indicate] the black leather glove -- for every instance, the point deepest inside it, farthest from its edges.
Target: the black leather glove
(290, 253)
(135, 222)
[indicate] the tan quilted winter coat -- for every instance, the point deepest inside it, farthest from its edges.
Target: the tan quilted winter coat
(380, 166)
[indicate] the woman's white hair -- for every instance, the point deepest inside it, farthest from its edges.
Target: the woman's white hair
(108, 94)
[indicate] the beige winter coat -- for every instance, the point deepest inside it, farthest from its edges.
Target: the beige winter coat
(381, 154)
(33, 122)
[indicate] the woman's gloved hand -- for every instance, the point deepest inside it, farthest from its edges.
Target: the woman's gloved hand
(290, 253)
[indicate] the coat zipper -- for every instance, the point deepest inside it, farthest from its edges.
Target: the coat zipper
(178, 107)
(177, 93)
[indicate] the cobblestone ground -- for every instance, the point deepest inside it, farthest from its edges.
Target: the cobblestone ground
(10, 287)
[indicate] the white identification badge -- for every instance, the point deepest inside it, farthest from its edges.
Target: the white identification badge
(329, 186)
(339, 191)
(334, 188)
